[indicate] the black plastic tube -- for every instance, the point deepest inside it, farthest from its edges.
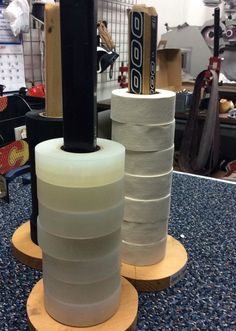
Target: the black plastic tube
(216, 31)
(79, 74)
(39, 128)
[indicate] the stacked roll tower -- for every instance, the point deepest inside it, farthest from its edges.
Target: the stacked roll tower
(143, 121)
(42, 125)
(81, 194)
(46, 125)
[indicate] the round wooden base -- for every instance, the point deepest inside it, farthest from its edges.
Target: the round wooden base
(124, 319)
(162, 275)
(24, 249)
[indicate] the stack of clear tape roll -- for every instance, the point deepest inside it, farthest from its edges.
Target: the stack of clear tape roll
(145, 125)
(81, 206)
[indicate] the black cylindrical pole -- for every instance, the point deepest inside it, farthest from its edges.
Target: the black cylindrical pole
(79, 74)
(39, 128)
(216, 31)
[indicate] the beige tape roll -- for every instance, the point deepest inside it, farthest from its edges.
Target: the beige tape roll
(148, 187)
(149, 163)
(144, 233)
(147, 211)
(143, 254)
(156, 108)
(145, 125)
(144, 138)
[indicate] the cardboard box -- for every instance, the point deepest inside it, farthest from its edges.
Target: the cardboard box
(169, 69)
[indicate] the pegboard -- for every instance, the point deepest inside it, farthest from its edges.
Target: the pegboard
(33, 45)
(115, 13)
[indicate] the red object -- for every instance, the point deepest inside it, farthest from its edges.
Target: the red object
(3, 103)
(13, 156)
(231, 167)
(122, 79)
(37, 91)
(214, 64)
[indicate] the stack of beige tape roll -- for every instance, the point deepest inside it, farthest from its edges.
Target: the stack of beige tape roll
(81, 206)
(145, 125)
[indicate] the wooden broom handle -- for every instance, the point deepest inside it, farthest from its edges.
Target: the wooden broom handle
(53, 61)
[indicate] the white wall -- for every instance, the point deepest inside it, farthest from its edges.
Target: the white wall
(169, 11)
(197, 13)
(175, 12)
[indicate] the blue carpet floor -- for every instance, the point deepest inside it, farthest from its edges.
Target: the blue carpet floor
(203, 217)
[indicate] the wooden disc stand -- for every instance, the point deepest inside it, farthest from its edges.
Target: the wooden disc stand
(162, 275)
(149, 278)
(125, 318)
(24, 249)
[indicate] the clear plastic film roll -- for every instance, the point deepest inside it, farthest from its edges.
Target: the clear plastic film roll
(108, 220)
(82, 292)
(83, 270)
(57, 167)
(77, 249)
(72, 313)
(81, 202)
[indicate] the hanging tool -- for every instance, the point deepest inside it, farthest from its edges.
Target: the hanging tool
(122, 78)
(106, 50)
(199, 151)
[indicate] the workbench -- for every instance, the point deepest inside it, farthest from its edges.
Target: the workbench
(203, 216)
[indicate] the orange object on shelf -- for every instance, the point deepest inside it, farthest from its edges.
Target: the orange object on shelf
(37, 91)
(3, 103)
(225, 105)
(13, 156)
